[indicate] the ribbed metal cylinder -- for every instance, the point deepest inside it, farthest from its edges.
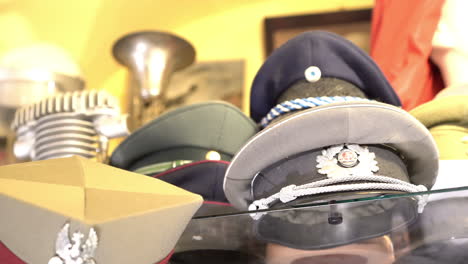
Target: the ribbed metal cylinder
(63, 135)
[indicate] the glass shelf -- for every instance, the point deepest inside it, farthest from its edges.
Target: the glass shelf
(379, 229)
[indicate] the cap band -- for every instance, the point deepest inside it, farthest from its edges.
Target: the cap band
(305, 103)
(161, 166)
(291, 192)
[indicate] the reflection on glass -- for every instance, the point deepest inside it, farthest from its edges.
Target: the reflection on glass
(386, 229)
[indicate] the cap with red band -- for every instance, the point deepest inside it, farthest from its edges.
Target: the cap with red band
(220, 241)
(190, 147)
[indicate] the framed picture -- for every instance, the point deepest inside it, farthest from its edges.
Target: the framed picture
(353, 25)
(207, 81)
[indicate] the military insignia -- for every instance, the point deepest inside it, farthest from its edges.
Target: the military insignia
(73, 251)
(347, 160)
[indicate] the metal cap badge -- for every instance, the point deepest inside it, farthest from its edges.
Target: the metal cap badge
(73, 251)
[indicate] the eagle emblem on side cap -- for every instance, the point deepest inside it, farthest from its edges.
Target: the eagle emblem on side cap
(73, 251)
(347, 160)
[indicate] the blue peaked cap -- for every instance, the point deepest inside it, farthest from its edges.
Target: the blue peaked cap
(335, 56)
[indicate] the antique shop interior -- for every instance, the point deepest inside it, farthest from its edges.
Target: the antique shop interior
(233, 131)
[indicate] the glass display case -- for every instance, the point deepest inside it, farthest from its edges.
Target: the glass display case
(426, 227)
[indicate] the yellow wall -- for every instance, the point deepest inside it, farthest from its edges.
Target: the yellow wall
(219, 29)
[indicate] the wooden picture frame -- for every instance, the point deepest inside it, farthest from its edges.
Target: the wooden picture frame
(353, 25)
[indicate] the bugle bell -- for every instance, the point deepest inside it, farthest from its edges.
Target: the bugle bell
(152, 57)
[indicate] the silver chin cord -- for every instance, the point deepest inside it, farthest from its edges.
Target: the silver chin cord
(73, 123)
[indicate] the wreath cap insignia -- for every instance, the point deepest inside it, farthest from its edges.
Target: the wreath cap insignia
(347, 160)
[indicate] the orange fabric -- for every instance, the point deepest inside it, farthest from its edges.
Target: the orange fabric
(401, 44)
